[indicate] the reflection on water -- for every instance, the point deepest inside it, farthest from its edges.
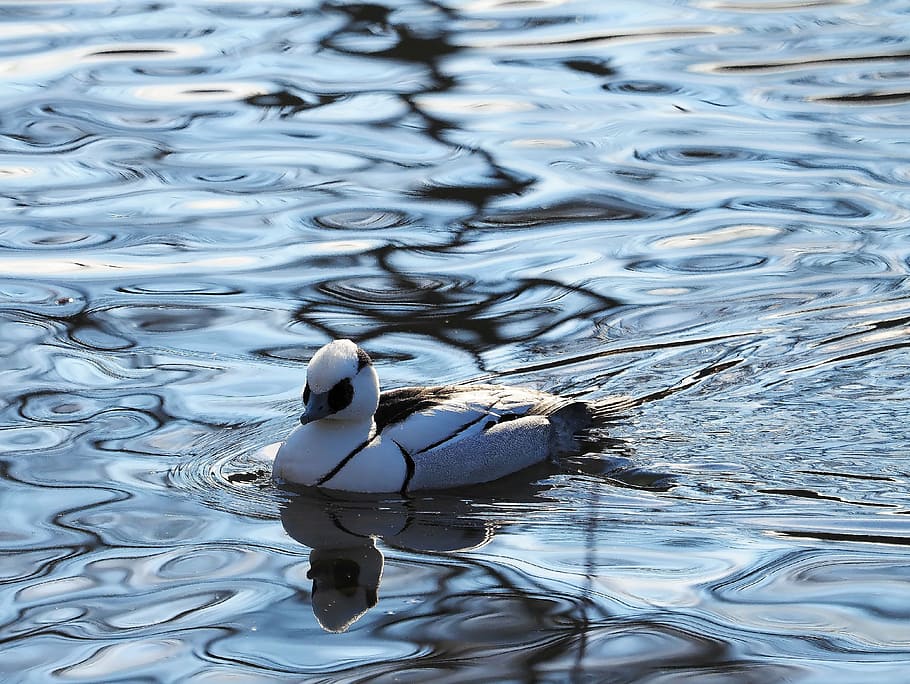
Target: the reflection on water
(346, 566)
(341, 530)
(701, 204)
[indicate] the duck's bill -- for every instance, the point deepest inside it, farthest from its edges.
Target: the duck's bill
(317, 407)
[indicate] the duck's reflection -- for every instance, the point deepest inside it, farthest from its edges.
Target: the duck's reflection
(342, 529)
(345, 583)
(345, 565)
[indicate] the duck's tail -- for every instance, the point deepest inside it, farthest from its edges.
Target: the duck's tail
(610, 409)
(580, 416)
(577, 416)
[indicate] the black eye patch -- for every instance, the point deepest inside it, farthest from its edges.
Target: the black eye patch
(306, 394)
(340, 395)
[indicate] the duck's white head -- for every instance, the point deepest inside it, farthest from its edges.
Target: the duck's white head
(341, 384)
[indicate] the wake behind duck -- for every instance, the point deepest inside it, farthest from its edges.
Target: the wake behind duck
(354, 438)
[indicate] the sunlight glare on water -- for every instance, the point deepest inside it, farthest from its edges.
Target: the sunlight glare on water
(704, 205)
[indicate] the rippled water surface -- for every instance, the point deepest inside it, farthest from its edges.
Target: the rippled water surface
(704, 205)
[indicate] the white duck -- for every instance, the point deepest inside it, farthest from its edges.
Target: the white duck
(352, 438)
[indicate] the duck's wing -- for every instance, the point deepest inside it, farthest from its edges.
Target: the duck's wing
(422, 418)
(478, 455)
(452, 436)
(396, 405)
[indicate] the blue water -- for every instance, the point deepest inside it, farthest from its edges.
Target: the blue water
(704, 205)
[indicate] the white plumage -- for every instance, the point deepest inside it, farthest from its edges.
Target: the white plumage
(353, 438)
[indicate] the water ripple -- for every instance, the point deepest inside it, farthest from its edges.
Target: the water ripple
(366, 219)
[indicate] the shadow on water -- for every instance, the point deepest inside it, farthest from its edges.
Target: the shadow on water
(460, 314)
(370, 31)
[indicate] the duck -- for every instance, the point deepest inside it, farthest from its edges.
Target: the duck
(354, 438)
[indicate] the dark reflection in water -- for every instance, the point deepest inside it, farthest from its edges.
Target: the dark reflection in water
(346, 566)
(700, 205)
(342, 530)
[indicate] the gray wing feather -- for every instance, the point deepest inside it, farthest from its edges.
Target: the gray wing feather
(518, 429)
(484, 455)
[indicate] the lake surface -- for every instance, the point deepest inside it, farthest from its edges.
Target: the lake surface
(704, 205)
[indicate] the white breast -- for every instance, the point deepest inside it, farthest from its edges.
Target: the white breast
(313, 450)
(378, 467)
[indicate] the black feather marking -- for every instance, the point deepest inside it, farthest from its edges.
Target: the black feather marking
(455, 435)
(363, 359)
(340, 395)
(396, 405)
(409, 465)
(343, 462)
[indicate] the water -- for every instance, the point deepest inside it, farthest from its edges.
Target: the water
(705, 205)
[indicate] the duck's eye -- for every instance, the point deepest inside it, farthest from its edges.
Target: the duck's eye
(306, 394)
(340, 395)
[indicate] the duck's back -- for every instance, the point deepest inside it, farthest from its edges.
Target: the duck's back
(455, 436)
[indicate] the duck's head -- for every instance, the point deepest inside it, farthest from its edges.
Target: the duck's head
(341, 384)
